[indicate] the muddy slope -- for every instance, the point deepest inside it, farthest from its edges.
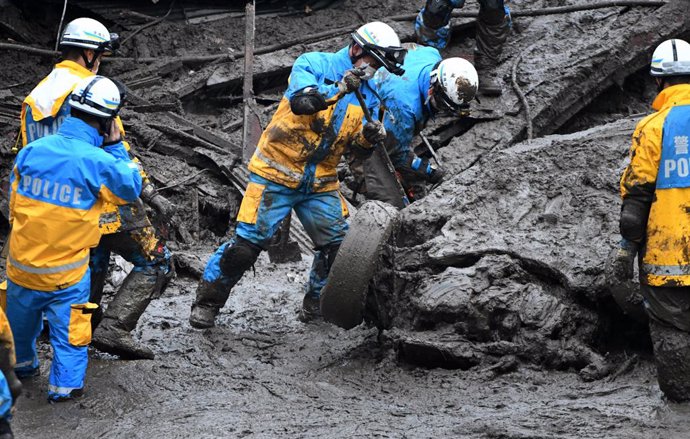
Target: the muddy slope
(505, 262)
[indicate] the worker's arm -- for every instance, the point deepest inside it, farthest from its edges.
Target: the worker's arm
(638, 182)
(307, 90)
(120, 178)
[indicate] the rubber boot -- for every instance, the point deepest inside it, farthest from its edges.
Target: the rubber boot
(5, 429)
(321, 266)
(672, 358)
(210, 298)
(121, 317)
(492, 32)
(311, 309)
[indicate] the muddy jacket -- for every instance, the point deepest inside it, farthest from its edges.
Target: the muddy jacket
(405, 100)
(47, 106)
(305, 150)
(659, 175)
(58, 188)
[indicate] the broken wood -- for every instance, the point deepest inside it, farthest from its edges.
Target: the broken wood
(251, 131)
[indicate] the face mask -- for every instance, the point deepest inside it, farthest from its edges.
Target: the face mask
(368, 70)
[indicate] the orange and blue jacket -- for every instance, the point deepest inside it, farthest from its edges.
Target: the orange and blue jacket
(47, 106)
(58, 189)
(659, 176)
(304, 150)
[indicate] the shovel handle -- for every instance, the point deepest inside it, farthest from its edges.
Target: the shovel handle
(381, 149)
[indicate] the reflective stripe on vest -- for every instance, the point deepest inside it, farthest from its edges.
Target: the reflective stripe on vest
(50, 270)
(666, 270)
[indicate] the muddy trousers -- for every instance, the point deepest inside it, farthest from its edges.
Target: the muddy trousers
(147, 280)
(69, 317)
(264, 206)
(669, 327)
(493, 25)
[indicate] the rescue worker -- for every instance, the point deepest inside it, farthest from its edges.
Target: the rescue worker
(429, 86)
(294, 165)
(126, 231)
(654, 219)
(58, 188)
(432, 27)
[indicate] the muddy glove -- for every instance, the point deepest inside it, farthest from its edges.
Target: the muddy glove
(352, 80)
(374, 132)
(623, 262)
(435, 176)
(158, 202)
(7, 369)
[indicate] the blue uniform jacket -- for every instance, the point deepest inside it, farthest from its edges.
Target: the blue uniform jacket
(405, 100)
(58, 188)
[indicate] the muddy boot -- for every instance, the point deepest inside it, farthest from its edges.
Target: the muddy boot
(121, 317)
(224, 270)
(210, 298)
(311, 309)
(672, 358)
(492, 32)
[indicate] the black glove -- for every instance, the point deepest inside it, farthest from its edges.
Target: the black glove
(436, 175)
(623, 264)
(633, 220)
(374, 132)
(307, 101)
(351, 81)
(437, 13)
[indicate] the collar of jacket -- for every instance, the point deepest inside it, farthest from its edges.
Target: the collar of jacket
(71, 65)
(75, 128)
(673, 95)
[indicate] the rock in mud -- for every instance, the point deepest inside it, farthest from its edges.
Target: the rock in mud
(508, 257)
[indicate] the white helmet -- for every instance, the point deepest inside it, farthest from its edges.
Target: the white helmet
(88, 34)
(380, 41)
(97, 95)
(671, 58)
(455, 81)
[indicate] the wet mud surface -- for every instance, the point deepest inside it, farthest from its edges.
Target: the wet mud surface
(497, 320)
(261, 373)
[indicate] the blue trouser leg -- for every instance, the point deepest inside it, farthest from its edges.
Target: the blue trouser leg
(68, 369)
(24, 309)
(324, 219)
(274, 205)
(24, 312)
(5, 398)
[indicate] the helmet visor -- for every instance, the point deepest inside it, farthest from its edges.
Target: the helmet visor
(391, 58)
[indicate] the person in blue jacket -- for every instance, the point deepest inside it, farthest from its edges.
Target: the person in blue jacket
(429, 86)
(294, 165)
(432, 27)
(58, 188)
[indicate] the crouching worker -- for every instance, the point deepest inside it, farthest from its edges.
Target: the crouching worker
(294, 165)
(58, 188)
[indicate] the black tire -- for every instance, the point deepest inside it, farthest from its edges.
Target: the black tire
(343, 297)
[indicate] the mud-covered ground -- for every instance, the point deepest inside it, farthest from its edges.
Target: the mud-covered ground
(261, 373)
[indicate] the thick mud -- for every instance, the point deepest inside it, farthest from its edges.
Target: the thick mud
(496, 319)
(261, 373)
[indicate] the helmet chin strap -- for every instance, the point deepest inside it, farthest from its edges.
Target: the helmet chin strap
(89, 64)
